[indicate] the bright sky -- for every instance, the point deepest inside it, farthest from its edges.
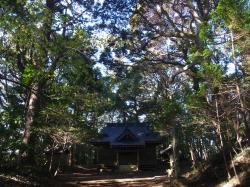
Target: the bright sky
(99, 1)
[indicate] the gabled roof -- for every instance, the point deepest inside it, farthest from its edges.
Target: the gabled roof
(127, 134)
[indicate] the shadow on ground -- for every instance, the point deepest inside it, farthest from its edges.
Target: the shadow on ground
(91, 177)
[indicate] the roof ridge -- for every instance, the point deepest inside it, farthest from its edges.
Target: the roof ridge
(128, 124)
(125, 132)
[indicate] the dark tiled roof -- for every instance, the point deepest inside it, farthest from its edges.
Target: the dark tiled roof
(127, 134)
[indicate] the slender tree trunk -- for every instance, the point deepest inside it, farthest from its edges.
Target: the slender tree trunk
(244, 113)
(193, 155)
(222, 147)
(247, 125)
(246, 64)
(175, 164)
(51, 157)
(59, 160)
(234, 169)
(246, 71)
(236, 129)
(205, 149)
(218, 126)
(59, 165)
(201, 148)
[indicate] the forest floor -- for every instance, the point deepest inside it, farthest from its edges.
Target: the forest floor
(79, 176)
(91, 178)
(213, 172)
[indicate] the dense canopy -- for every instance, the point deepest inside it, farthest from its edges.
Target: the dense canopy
(67, 67)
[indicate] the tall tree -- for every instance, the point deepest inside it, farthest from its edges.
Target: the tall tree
(37, 38)
(233, 17)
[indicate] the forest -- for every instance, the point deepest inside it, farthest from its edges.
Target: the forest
(67, 67)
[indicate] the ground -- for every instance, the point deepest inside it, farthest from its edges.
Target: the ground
(80, 176)
(92, 177)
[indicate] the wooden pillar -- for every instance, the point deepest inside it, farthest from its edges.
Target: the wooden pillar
(70, 156)
(97, 155)
(138, 159)
(117, 158)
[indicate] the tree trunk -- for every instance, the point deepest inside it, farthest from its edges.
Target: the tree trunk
(236, 129)
(218, 130)
(246, 72)
(246, 64)
(30, 113)
(200, 148)
(51, 157)
(205, 149)
(193, 155)
(174, 159)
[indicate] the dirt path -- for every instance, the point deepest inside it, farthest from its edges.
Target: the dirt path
(91, 178)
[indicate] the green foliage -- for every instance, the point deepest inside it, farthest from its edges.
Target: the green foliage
(197, 99)
(234, 13)
(29, 74)
(205, 31)
(212, 74)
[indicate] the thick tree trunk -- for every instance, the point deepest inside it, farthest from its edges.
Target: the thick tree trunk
(30, 113)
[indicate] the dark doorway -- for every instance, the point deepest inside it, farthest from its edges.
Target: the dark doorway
(127, 158)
